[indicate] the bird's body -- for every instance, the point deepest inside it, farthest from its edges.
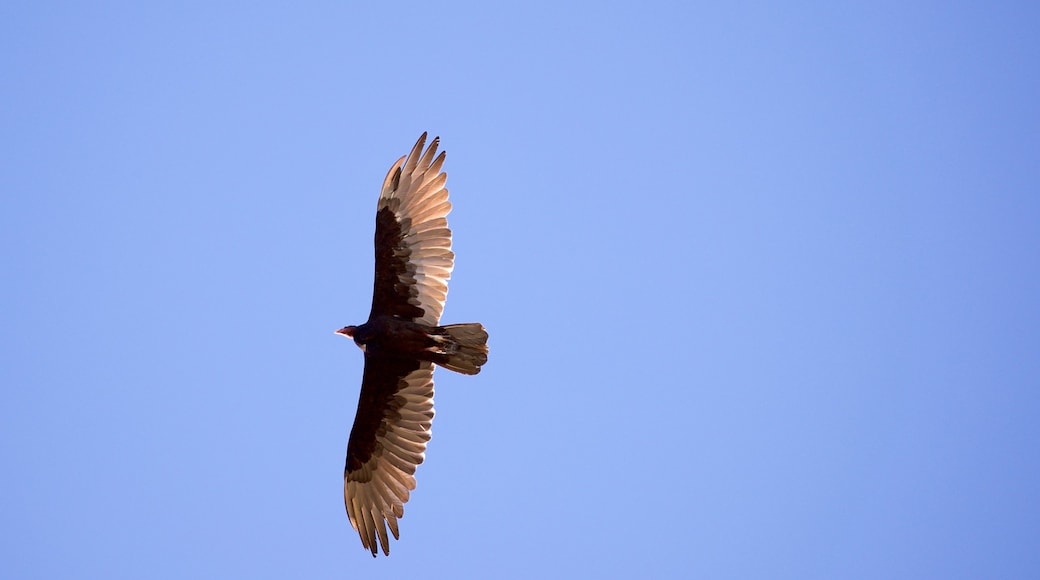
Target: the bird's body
(390, 336)
(402, 342)
(445, 345)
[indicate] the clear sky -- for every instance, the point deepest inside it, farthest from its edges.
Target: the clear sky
(762, 283)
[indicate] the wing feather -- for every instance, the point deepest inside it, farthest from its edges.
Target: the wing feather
(387, 443)
(413, 242)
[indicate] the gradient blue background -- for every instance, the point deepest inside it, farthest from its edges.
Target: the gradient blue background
(762, 285)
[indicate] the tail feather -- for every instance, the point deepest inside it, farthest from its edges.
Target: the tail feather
(470, 348)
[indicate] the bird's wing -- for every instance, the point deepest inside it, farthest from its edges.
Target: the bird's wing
(386, 444)
(413, 243)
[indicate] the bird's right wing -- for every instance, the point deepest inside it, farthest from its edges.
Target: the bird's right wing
(413, 243)
(387, 442)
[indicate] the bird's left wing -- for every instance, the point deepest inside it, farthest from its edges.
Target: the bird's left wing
(413, 243)
(387, 442)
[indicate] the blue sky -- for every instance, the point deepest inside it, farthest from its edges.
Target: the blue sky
(761, 283)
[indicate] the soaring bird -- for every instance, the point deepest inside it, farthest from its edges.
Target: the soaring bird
(402, 341)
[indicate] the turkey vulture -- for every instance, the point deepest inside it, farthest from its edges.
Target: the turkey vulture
(402, 341)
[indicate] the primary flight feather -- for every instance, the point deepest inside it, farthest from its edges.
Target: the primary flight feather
(402, 342)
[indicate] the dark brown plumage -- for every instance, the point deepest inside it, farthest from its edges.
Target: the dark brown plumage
(402, 342)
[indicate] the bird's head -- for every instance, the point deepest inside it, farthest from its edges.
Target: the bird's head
(348, 331)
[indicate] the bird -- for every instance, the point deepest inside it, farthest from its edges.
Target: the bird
(402, 341)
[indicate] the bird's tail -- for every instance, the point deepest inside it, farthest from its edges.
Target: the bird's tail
(466, 350)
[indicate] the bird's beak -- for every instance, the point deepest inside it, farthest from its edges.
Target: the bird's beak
(347, 331)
